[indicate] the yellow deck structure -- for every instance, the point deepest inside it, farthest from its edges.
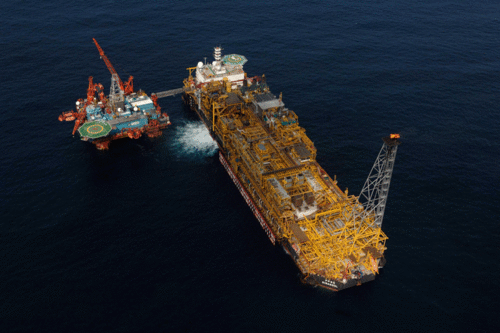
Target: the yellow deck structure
(325, 230)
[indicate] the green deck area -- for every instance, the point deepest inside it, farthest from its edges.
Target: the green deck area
(94, 129)
(234, 59)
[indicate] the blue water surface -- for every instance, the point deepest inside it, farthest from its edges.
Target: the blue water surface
(153, 236)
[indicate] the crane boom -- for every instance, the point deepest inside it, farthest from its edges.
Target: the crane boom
(108, 64)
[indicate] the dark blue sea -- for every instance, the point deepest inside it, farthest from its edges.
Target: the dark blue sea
(153, 236)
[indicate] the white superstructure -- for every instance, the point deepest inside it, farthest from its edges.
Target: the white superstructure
(230, 67)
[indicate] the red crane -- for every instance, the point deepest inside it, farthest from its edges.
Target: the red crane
(90, 92)
(128, 88)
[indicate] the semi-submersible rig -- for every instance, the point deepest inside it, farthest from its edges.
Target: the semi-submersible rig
(334, 238)
(124, 113)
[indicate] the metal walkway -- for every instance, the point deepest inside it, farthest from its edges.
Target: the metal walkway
(168, 93)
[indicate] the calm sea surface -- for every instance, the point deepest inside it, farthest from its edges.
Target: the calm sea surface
(152, 235)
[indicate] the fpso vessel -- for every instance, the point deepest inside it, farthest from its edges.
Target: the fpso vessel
(335, 240)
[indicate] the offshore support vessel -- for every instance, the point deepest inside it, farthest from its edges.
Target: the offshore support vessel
(334, 238)
(124, 113)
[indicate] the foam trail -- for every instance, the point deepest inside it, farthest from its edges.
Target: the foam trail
(193, 139)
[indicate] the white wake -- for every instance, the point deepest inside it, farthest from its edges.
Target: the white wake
(193, 139)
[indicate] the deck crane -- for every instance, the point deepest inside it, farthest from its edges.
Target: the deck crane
(118, 89)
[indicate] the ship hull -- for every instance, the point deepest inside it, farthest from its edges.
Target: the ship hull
(248, 199)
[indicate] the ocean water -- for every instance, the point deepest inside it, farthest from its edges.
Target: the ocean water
(153, 236)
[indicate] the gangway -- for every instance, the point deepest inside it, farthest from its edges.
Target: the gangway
(168, 93)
